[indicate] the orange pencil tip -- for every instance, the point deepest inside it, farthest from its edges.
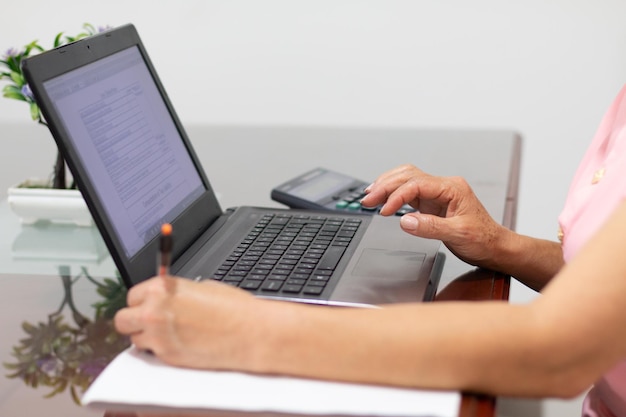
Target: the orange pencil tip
(166, 229)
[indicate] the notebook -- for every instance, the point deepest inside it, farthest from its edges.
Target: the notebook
(136, 168)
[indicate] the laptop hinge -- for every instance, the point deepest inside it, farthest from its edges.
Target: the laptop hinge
(217, 225)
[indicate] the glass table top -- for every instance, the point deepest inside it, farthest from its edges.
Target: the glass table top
(59, 292)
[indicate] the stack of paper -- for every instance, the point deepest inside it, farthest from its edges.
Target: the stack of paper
(136, 380)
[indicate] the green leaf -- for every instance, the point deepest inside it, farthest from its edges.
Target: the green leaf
(35, 114)
(33, 45)
(18, 78)
(57, 39)
(14, 64)
(28, 328)
(10, 88)
(28, 48)
(75, 395)
(89, 28)
(16, 96)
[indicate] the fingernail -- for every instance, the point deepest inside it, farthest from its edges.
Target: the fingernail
(368, 188)
(408, 222)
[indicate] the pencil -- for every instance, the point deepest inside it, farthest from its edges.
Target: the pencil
(165, 249)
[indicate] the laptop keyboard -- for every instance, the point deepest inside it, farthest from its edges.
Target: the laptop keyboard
(289, 254)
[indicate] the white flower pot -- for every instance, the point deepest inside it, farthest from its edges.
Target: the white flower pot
(58, 206)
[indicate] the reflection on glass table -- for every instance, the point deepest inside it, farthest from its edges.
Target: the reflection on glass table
(54, 242)
(67, 349)
(42, 247)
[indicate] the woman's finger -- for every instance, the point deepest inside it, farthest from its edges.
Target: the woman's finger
(128, 321)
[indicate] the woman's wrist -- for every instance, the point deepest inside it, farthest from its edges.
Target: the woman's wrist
(504, 251)
(532, 261)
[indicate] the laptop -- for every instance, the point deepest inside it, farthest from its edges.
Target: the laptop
(136, 168)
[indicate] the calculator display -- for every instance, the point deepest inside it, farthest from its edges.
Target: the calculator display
(321, 186)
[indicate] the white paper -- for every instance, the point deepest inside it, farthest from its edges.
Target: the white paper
(139, 379)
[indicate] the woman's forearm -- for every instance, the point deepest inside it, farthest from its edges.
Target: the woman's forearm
(468, 346)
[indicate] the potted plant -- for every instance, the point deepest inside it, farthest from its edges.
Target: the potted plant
(56, 199)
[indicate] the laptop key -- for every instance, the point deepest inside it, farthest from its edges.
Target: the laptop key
(313, 290)
(250, 285)
(320, 278)
(331, 257)
(292, 288)
(272, 286)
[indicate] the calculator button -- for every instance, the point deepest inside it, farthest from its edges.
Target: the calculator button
(354, 206)
(404, 210)
(342, 204)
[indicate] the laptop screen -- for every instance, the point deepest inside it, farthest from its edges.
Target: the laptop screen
(119, 124)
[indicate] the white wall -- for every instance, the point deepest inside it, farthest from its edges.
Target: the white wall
(547, 68)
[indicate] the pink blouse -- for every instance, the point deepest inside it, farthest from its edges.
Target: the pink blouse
(598, 187)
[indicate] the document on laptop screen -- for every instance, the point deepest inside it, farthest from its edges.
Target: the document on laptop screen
(130, 142)
(136, 380)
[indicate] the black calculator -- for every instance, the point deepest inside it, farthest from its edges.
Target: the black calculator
(325, 189)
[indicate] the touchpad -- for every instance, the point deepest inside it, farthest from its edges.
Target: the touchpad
(385, 263)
